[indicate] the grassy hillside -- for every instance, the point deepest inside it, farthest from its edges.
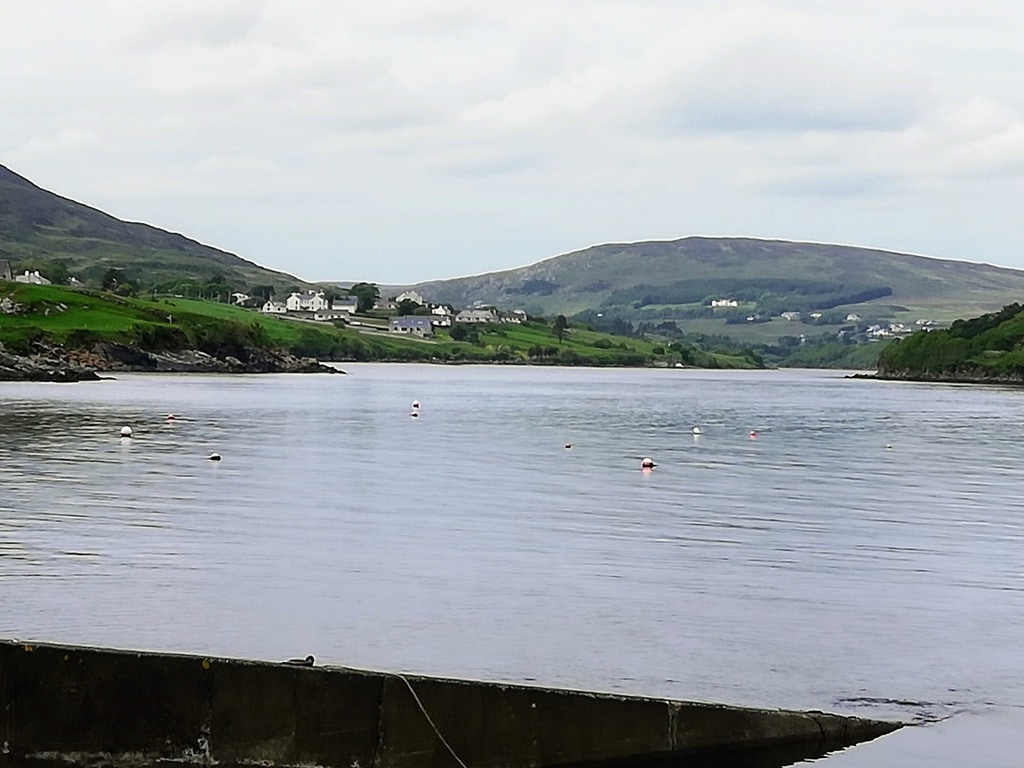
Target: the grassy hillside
(39, 229)
(989, 347)
(49, 315)
(650, 282)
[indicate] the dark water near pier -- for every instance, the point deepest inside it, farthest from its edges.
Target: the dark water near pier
(864, 553)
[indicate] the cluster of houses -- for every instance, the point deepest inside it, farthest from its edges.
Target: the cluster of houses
(33, 277)
(315, 306)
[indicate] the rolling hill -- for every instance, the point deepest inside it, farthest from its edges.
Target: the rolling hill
(659, 280)
(39, 229)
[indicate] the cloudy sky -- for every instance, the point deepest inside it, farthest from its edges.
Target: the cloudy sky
(399, 141)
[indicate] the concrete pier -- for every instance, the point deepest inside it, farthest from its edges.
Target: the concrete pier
(84, 706)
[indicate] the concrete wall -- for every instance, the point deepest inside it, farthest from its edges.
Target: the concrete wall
(82, 705)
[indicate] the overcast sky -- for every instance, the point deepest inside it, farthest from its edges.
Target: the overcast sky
(400, 141)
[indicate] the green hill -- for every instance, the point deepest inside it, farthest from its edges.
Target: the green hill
(41, 230)
(55, 321)
(675, 280)
(989, 348)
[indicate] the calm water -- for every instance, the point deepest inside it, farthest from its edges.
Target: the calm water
(863, 554)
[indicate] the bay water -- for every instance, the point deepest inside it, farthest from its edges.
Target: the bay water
(824, 543)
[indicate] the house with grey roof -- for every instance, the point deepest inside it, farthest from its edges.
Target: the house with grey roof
(414, 325)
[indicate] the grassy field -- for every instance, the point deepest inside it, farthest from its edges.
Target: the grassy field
(77, 318)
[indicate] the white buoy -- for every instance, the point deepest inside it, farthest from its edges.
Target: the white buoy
(126, 431)
(647, 464)
(415, 414)
(169, 417)
(568, 446)
(753, 434)
(415, 403)
(214, 457)
(698, 431)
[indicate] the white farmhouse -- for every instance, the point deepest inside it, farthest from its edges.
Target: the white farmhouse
(34, 278)
(306, 302)
(476, 316)
(415, 325)
(409, 296)
(346, 304)
(274, 308)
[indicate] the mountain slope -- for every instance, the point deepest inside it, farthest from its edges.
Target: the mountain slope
(594, 277)
(38, 228)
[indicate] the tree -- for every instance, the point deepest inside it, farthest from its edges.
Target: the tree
(560, 326)
(265, 292)
(58, 272)
(366, 295)
(111, 279)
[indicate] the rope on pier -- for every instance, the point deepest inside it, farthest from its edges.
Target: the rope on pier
(429, 720)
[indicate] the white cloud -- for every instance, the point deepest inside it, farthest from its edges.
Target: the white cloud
(481, 135)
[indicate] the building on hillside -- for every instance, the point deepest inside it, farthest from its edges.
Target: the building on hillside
(477, 316)
(5, 270)
(409, 296)
(33, 278)
(724, 303)
(345, 304)
(306, 302)
(415, 325)
(274, 308)
(516, 316)
(791, 316)
(441, 316)
(240, 298)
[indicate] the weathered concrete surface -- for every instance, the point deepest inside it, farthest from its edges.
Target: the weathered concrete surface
(89, 706)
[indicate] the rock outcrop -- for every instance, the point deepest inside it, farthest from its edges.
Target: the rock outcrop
(58, 364)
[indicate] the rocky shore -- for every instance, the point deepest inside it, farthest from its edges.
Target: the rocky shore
(62, 365)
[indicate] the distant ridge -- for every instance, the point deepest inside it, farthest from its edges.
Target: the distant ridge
(592, 278)
(39, 227)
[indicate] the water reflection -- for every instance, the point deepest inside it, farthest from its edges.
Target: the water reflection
(809, 568)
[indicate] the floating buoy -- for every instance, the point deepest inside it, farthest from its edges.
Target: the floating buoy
(568, 446)
(753, 434)
(647, 464)
(698, 431)
(415, 414)
(888, 446)
(415, 403)
(169, 417)
(214, 457)
(126, 431)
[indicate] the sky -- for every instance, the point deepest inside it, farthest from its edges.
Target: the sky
(401, 141)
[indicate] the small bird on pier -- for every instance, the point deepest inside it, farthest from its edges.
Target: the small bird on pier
(306, 662)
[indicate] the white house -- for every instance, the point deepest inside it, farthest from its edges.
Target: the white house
(409, 296)
(724, 303)
(274, 308)
(346, 304)
(476, 316)
(306, 302)
(791, 316)
(416, 325)
(240, 298)
(31, 277)
(441, 316)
